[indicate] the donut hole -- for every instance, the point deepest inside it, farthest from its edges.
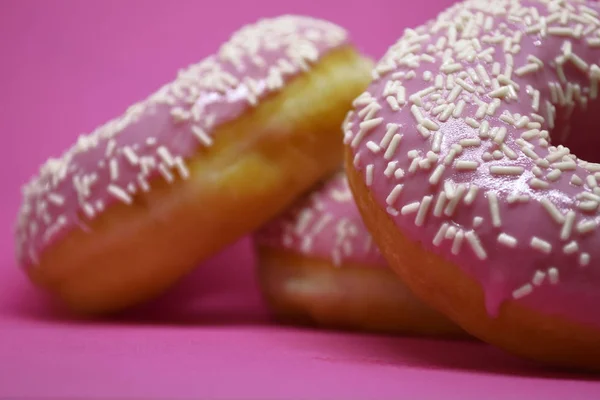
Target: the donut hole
(579, 130)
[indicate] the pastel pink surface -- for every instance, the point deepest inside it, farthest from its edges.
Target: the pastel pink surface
(68, 66)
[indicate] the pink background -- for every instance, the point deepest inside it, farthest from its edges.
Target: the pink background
(67, 66)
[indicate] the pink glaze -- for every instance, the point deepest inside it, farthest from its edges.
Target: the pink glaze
(452, 138)
(155, 138)
(324, 224)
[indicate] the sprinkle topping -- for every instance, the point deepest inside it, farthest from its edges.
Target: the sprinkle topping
(325, 224)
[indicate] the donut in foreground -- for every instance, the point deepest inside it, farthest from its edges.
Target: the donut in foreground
(471, 157)
(318, 265)
(209, 157)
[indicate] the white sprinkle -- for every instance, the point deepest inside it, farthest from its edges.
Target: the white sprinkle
(119, 194)
(369, 177)
(469, 88)
(110, 147)
(373, 147)
(454, 93)
(455, 198)
(393, 146)
(447, 112)
(410, 208)
(164, 171)
(56, 199)
(560, 31)
(457, 242)
(460, 106)
(202, 136)
(401, 95)
(439, 204)
(181, 168)
(527, 69)
(576, 180)
(584, 259)
(538, 277)
(472, 123)
(389, 134)
(507, 240)
(423, 208)
(390, 168)
(429, 124)
(571, 248)
(540, 245)
(441, 233)
(414, 165)
(113, 169)
(586, 226)
(494, 209)
(579, 63)
(496, 69)
(475, 243)
(522, 291)
(436, 175)
(588, 205)
(481, 111)
(451, 68)
(89, 210)
(166, 156)
(416, 113)
(557, 155)
(500, 134)
(536, 183)
(462, 165)
(553, 275)
(392, 211)
(143, 184)
(506, 170)
(501, 92)
(567, 227)
(393, 103)
(356, 161)
(394, 194)
(554, 212)
(130, 155)
(554, 175)
(530, 134)
(470, 196)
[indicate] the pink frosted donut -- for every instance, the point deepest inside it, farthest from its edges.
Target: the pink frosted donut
(318, 264)
(473, 155)
(207, 158)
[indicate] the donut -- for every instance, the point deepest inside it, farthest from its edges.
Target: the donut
(473, 160)
(318, 266)
(207, 158)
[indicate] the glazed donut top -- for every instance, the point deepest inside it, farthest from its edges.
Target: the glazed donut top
(154, 137)
(324, 224)
(453, 139)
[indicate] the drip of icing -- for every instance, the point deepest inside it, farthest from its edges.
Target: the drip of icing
(325, 224)
(155, 137)
(460, 113)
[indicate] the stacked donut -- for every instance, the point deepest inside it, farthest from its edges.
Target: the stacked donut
(469, 201)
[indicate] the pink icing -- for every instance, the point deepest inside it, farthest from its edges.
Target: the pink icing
(452, 138)
(155, 137)
(324, 224)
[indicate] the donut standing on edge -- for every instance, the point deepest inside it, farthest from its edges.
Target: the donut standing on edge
(472, 159)
(208, 158)
(317, 264)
